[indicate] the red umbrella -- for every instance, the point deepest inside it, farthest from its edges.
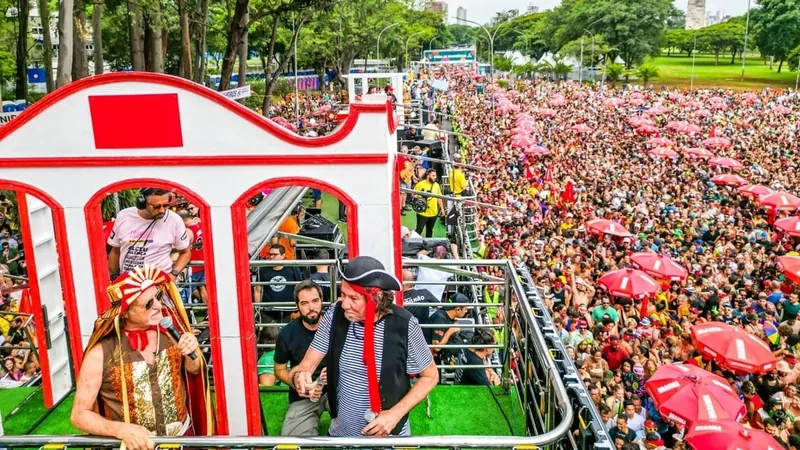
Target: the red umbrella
(647, 129)
(750, 97)
(781, 110)
(691, 104)
(703, 113)
(557, 100)
(728, 435)
(603, 226)
(659, 266)
(755, 190)
(537, 150)
(657, 110)
(719, 106)
(628, 283)
(659, 141)
(612, 102)
(279, 120)
(676, 125)
(780, 201)
(789, 225)
(637, 101)
(684, 393)
(733, 348)
(546, 112)
(697, 152)
(522, 141)
(663, 152)
(790, 266)
(690, 129)
(728, 163)
(581, 128)
(717, 141)
(728, 180)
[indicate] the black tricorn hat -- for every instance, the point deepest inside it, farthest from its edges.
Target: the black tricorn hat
(367, 271)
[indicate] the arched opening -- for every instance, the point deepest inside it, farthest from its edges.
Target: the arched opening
(38, 298)
(246, 256)
(207, 323)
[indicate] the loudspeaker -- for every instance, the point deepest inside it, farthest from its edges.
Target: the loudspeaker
(434, 151)
(413, 246)
(319, 227)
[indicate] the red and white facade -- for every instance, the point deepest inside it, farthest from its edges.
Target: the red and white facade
(96, 136)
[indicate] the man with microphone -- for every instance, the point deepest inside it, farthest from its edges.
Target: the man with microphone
(369, 341)
(142, 374)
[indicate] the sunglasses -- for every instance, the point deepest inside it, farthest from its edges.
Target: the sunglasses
(149, 305)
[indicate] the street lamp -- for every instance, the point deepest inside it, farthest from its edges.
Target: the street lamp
(296, 91)
(580, 63)
(378, 49)
(746, 28)
(694, 48)
(408, 60)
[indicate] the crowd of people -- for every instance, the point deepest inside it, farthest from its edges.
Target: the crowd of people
(592, 161)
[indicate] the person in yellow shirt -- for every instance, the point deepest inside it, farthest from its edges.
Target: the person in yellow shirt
(426, 220)
(458, 181)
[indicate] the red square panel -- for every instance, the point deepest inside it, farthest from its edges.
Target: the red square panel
(136, 121)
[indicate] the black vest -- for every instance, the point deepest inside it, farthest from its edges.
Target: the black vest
(394, 381)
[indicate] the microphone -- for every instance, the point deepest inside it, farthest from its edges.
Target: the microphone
(166, 324)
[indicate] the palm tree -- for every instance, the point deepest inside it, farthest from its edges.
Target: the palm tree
(647, 71)
(559, 69)
(613, 72)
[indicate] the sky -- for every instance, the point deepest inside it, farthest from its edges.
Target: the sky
(482, 10)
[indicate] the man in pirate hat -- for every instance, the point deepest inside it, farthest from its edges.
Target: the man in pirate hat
(369, 341)
(135, 381)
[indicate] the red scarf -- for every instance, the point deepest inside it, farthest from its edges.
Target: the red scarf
(368, 355)
(138, 338)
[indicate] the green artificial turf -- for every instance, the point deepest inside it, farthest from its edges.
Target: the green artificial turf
(455, 410)
(676, 71)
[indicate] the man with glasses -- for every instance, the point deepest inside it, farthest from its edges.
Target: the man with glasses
(135, 381)
(148, 233)
(280, 289)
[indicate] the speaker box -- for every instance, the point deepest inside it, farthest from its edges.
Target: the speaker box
(413, 246)
(319, 227)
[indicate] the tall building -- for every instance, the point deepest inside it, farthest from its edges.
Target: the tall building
(439, 7)
(461, 16)
(696, 14)
(532, 8)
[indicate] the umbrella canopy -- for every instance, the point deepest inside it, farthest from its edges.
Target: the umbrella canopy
(612, 102)
(728, 435)
(750, 97)
(581, 128)
(628, 283)
(781, 110)
(754, 190)
(676, 125)
(663, 152)
(690, 129)
(717, 141)
(522, 141)
(603, 226)
(697, 152)
(557, 100)
(537, 150)
(659, 266)
(703, 113)
(790, 266)
(789, 225)
(728, 163)
(691, 104)
(733, 348)
(684, 393)
(781, 201)
(728, 180)
(647, 129)
(659, 141)
(546, 112)
(657, 110)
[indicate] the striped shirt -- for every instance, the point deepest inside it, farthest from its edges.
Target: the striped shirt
(352, 392)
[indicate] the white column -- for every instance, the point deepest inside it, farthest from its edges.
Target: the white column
(77, 236)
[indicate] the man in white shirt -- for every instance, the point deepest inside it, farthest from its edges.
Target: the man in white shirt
(428, 275)
(147, 234)
(431, 131)
(635, 421)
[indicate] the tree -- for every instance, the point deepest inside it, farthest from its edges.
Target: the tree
(21, 79)
(136, 35)
(721, 37)
(64, 42)
(463, 34)
(47, 44)
(185, 58)
(613, 72)
(97, 36)
(502, 63)
(592, 45)
(777, 27)
(80, 60)
(558, 69)
(676, 39)
(646, 71)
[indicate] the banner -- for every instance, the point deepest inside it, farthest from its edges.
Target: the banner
(6, 117)
(456, 55)
(237, 93)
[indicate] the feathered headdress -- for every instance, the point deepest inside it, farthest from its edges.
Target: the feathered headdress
(122, 293)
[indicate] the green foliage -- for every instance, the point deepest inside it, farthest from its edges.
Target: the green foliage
(524, 33)
(613, 72)
(559, 69)
(596, 46)
(502, 63)
(726, 36)
(463, 34)
(646, 71)
(502, 83)
(776, 28)
(127, 198)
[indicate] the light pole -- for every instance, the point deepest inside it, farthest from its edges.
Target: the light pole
(408, 60)
(694, 51)
(746, 29)
(378, 46)
(491, 46)
(296, 91)
(592, 59)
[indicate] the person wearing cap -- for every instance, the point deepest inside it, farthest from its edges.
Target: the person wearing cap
(458, 181)
(369, 341)
(135, 381)
(405, 233)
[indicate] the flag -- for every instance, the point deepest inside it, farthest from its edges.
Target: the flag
(772, 333)
(568, 195)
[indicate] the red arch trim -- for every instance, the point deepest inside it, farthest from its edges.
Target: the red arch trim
(246, 321)
(167, 80)
(97, 247)
(67, 282)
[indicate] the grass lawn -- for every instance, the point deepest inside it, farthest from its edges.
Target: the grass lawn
(676, 71)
